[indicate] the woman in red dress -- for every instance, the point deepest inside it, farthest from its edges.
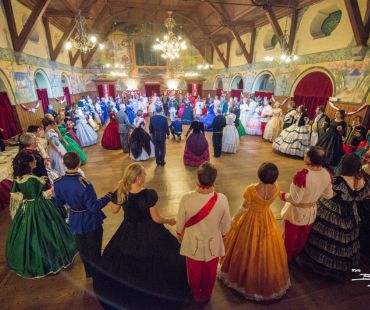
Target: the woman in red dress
(111, 139)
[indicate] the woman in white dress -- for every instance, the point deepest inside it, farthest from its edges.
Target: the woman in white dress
(274, 126)
(230, 139)
(254, 125)
(244, 112)
(55, 148)
(296, 139)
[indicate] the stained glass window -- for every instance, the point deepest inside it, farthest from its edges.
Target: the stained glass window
(139, 53)
(331, 22)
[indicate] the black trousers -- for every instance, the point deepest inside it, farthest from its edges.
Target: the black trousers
(160, 151)
(124, 142)
(174, 133)
(217, 144)
(89, 247)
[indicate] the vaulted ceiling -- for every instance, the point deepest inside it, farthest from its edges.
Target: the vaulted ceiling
(206, 23)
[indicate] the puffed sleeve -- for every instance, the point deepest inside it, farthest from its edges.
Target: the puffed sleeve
(248, 195)
(152, 198)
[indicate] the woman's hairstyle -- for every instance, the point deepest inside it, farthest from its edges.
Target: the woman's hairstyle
(207, 174)
(22, 164)
(139, 113)
(26, 139)
(33, 128)
(129, 177)
(268, 173)
(47, 121)
(342, 113)
(351, 166)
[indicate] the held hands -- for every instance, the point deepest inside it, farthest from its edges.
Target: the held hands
(339, 128)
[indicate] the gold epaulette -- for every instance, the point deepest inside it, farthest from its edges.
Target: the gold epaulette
(83, 181)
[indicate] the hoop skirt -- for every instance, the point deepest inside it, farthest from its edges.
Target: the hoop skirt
(254, 125)
(111, 139)
(274, 126)
(245, 116)
(39, 241)
(230, 139)
(85, 133)
(57, 160)
(187, 116)
(241, 129)
(141, 264)
(208, 119)
(130, 114)
(72, 145)
(294, 140)
(256, 263)
(72, 134)
(196, 150)
(141, 145)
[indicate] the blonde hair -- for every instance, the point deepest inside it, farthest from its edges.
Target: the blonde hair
(129, 177)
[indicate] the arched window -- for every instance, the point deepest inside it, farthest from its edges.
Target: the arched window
(265, 82)
(331, 22)
(146, 55)
(325, 22)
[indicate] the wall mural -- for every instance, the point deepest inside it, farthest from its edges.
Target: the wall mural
(24, 90)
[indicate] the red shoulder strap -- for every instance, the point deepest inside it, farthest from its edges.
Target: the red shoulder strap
(202, 213)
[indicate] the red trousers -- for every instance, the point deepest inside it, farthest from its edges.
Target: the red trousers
(295, 238)
(201, 278)
(263, 126)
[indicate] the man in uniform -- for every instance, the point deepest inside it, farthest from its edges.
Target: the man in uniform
(218, 126)
(319, 125)
(85, 214)
(123, 127)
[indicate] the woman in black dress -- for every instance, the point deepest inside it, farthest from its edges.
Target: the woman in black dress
(332, 139)
(196, 148)
(141, 266)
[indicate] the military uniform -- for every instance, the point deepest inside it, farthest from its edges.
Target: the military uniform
(218, 125)
(85, 215)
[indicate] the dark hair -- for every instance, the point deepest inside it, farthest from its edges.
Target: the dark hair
(351, 165)
(321, 108)
(342, 113)
(21, 164)
(46, 122)
(359, 117)
(268, 173)
(33, 128)
(316, 155)
(207, 174)
(71, 160)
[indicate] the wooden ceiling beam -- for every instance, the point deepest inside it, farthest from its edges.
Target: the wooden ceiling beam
(293, 30)
(360, 32)
(273, 22)
(20, 41)
(252, 45)
(228, 47)
(73, 59)
(220, 54)
(367, 19)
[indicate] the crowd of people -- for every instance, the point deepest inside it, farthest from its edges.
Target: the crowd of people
(57, 214)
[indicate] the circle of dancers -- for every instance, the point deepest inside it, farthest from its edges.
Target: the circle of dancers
(57, 214)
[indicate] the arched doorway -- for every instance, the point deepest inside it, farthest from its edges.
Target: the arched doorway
(312, 90)
(43, 88)
(264, 85)
(66, 86)
(237, 86)
(219, 86)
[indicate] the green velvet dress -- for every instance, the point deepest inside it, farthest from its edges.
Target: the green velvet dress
(39, 241)
(241, 129)
(73, 146)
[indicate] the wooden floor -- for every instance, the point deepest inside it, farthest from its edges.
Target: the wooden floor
(70, 290)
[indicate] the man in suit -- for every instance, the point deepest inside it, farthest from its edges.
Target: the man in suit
(319, 125)
(158, 128)
(124, 127)
(218, 127)
(356, 134)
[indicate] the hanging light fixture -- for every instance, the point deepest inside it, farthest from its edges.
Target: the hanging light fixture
(82, 41)
(171, 45)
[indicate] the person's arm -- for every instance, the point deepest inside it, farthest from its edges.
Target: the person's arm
(157, 218)
(91, 201)
(225, 220)
(181, 218)
(151, 130)
(167, 129)
(53, 146)
(295, 194)
(190, 129)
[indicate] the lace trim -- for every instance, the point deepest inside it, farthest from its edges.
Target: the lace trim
(25, 178)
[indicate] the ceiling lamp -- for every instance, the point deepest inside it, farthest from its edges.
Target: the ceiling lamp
(205, 66)
(191, 74)
(171, 45)
(82, 41)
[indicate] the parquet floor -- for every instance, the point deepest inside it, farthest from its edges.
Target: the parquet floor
(70, 290)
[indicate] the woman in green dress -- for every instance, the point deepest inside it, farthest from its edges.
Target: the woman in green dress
(39, 241)
(69, 144)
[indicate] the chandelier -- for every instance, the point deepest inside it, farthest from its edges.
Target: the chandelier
(82, 41)
(171, 45)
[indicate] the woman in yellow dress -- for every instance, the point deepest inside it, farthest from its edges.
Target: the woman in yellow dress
(255, 263)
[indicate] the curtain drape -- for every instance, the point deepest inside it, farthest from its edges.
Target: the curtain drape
(313, 90)
(263, 94)
(190, 88)
(236, 93)
(112, 91)
(7, 120)
(219, 92)
(42, 94)
(100, 91)
(67, 94)
(150, 89)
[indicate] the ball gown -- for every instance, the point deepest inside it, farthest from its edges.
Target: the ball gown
(244, 114)
(56, 160)
(332, 142)
(250, 111)
(294, 140)
(187, 117)
(254, 125)
(230, 139)
(84, 132)
(71, 132)
(72, 145)
(104, 113)
(130, 114)
(196, 149)
(92, 123)
(256, 263)
(111, 139)
(181, 110)
(241, 129)
(333, 246)
(141, 145)
(208, 119)
(274, 126)
(39, 241)
(141, 264)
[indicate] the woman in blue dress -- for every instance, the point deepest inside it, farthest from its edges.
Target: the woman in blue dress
(84, 131)
(130, 114)
(104, 112)
(187, 116)
(208, 119)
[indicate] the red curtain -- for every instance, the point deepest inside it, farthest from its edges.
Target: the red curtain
(190, 88)
(42, 94)
(67, 94)
(150, 89)
(263, 94)
(200, 90)
(313, 90)
(236, 93)
(112, 90)
(219, 92)
(100, 91)
(7, 120)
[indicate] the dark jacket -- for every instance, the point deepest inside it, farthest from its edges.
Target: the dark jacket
(158, 127)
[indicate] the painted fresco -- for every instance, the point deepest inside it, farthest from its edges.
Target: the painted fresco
(24, 89)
